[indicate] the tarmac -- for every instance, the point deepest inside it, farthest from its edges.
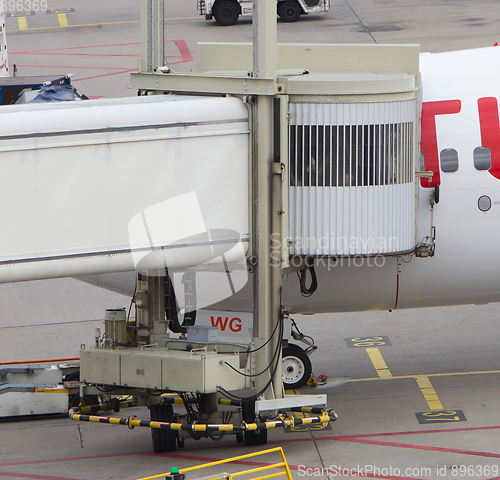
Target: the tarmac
(387, 372)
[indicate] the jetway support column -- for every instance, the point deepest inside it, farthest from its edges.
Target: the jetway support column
(266, 218)
(152, 36)
(150, 303)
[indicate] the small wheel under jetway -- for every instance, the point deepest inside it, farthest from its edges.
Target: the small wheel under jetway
(296, 367)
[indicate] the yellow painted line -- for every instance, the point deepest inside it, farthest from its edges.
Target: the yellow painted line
(63, 20)
(379, 362)
(22, 22)
(103, 23)
(377, 307)
(428, 392)
(401, 377)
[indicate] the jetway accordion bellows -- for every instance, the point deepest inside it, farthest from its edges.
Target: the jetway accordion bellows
(352, 178)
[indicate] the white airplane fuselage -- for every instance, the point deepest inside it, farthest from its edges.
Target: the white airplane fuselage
(459, 114)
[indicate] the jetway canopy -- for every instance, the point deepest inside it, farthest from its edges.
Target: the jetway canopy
(114, 185)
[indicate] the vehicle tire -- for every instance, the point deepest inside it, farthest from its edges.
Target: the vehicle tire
(289, 11)
(87, 400)
(256, 437)
(164, 440)
(296, 367)
(226, 13)
(252, 437)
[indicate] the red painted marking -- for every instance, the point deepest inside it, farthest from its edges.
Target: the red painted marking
(185, 56)
(92, 46)
(490, 131)
(104, 75)
(181, 45)
(414, 432)
(428, 143)
(419, 447)
(30, 475)
(69, 459)
(70, 67)
(80, 54)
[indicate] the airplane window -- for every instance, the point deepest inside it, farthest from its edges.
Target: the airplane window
(449, 160)
(482, 158)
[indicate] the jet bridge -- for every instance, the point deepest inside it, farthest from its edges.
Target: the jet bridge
(340, 175)
(267, 153)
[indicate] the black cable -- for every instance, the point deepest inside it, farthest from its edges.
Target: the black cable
(294, 325)
(154, 394)
(257, 395)
(268, 340)
(278, 346)
(193, 416)
(106, 390)
(132, 302)
(215, 438)
(307, 292)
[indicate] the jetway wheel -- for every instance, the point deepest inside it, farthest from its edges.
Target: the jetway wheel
(226, 13)
(164, 440)
(256, 437)
(296, 367)
(289, 11)
(252, 437)
(87, 400)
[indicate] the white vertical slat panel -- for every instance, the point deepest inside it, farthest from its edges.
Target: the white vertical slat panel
(356, 197)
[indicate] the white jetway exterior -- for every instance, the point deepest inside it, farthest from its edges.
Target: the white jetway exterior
(122, 185)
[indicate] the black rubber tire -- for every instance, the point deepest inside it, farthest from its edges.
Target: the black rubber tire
(289, 11)
(226, 13)
(252, 437)
(164, 440)
(296, 367)
(87, 400)
(256, 437)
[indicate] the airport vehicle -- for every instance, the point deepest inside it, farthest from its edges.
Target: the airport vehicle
(227, 12)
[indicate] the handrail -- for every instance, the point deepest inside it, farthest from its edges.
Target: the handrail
(283, 464)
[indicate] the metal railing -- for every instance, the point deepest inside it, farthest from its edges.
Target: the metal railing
(263, 471)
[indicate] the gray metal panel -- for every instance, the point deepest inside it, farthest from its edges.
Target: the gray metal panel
(100, 366)
(142, 371)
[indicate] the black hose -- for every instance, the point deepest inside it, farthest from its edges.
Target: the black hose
(305, 291)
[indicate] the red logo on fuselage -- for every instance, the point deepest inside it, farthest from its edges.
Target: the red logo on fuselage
(428, 142)
(489, 126)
